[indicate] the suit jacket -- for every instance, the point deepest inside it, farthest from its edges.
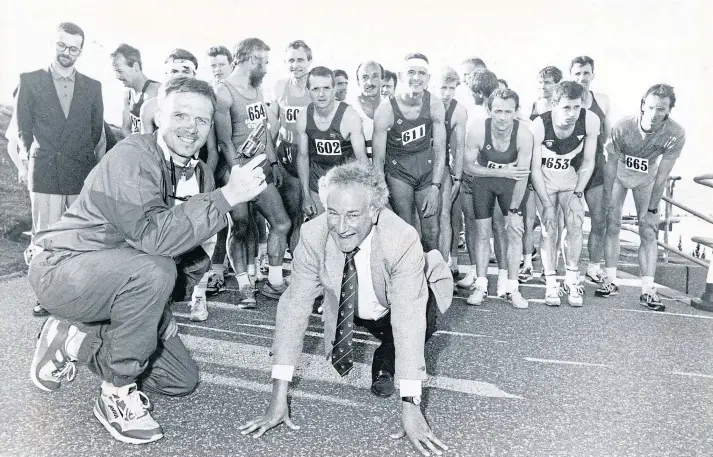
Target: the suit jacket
(64, 154)
(399, 276)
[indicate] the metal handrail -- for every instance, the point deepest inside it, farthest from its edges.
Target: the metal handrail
(668, 247)
(705, 180)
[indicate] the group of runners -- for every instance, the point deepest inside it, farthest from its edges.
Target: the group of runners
(465, 163)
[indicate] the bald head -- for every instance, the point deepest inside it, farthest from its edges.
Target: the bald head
(369, 75)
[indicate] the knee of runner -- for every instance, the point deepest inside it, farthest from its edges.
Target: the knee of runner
(647, 233)
(240, 228)
(282, 227)
(574, 220)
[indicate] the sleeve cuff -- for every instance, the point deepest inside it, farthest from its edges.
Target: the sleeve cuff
(408, 387)
(284, 372)
(221, 202)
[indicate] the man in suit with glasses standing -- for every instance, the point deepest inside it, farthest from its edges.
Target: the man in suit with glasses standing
(60, 118)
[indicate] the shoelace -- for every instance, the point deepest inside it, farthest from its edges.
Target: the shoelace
(652, 297)
(68, 372)
(136, 405)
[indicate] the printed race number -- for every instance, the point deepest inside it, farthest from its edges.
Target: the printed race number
(496, 165)
(255, 113)
(291, 113)
(413, 134)
(558, 163)
(328, 147)
(636, 164)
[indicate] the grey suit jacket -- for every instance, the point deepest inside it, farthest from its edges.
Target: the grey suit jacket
(400, 279)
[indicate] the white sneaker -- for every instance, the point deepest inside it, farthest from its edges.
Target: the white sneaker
(467, 281)
(517, 300)
(552, 295)
(574, 294)
(199, 309)
(477, 296)
(126, 416)
(502, 291)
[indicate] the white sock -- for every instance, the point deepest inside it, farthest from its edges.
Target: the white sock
(74, 341)
(527, 262)
(550, 280)
(274, 275)
(570, 276)
(594, 267)
(611, 273)
(251, 269)
(481, 283)
(502, 276)
(261, 249)
(512, 285)
(647, 283)
(199, 290)
(243, 280)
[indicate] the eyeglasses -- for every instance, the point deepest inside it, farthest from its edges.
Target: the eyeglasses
(73, 50)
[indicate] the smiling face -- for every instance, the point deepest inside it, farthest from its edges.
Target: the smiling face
(297, 62)
(350, 215)
(184, 121)
(415, 77)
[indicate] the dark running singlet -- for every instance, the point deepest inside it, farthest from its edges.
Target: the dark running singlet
(562, 157)
(135, 108)
(449, 130)
(409, 155)
(597, 178)
(410, 136)
(327, 148)
(490, 188)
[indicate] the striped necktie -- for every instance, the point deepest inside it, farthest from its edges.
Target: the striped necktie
(342, 359)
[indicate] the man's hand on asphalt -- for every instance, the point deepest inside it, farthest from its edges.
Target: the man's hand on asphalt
(418, 431)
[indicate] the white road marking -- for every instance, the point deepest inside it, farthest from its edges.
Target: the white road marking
(566, 362)
(654, 313)
(316, 368)
(260, 387)
(693, 375)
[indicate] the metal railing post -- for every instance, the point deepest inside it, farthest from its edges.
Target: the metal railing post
(705, 303)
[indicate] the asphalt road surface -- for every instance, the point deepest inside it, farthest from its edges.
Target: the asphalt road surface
(608, 379)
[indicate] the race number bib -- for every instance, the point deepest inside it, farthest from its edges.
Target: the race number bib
(328, 147)
(636, 164)
(255, 113)
(555, 163)
(413, 134)
(496, 165)
(291, 113)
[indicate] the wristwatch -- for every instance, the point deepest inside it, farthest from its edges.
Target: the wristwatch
(415, 400)
(437, 185)
(516, 211)
(654, 211)
(578, 194)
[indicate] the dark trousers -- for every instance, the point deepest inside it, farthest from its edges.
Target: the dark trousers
(121, 295)
(385, 354)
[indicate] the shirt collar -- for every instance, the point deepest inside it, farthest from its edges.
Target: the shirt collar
(365, 245)
(56, 75)
(167, 154)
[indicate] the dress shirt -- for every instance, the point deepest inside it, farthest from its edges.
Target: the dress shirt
(65, 88)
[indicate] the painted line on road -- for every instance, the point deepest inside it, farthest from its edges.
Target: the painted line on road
(316, 368)
(471, 335)
(231, 332)
(654, 313)
(693, 375)
(567, 362)
(260, 387)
